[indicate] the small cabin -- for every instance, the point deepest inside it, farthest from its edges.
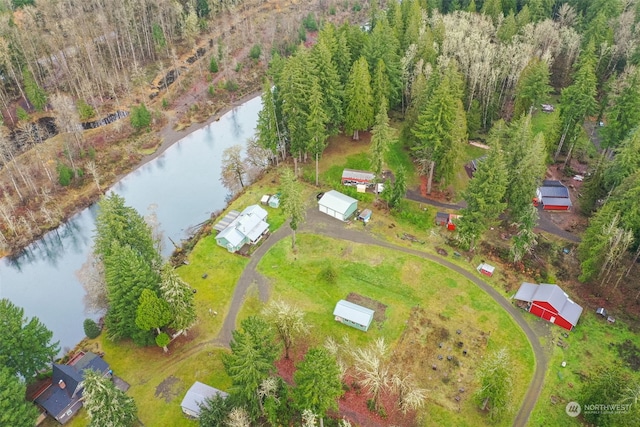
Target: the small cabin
(353, 315)
(486, 269)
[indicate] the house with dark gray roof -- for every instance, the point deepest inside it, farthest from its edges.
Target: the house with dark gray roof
(550, 303)
(62, 398)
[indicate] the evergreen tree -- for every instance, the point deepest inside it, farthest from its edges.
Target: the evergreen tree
(525, 162)
(152, 312)
(578, 100)
(359, 99)
(625, 162)
(438, 140)
(36, 95)
(493, 9)
(140, 117)
(106, 405)
(484, 197)
(329, 82)
(295, 92)
(381, 139)
(292, 201)
(380, 87)
(317, 125)
(253, 353)
(25, 344)
(318, 384)
(180, 298)
(123, 224)
(382, 45)
(533, 86)
(508, 29)
(214, 411)
(624, 113)
(268, 129)
(15, 411)
(127, 275)
(342, 57)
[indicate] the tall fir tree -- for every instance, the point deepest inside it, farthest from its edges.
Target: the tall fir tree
(437, 130)
(180, 297)
(329, 84)
(318, 383)
(15, 410)
(254, 349)
(484, 197)
(533, 86)
(359, 99)
(624, 113)
(295, 90)
(381, 139)
(268, 129)
(292, 201)
(578, 100)
(317, 125)
(382, 45)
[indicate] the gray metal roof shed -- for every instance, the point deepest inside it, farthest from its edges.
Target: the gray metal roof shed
(196, 395)
(353, 315)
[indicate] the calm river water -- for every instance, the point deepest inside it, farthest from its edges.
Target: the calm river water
(181, 187)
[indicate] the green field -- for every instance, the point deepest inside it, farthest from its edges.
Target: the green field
(401, 282)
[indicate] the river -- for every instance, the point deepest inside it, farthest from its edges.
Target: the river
(181, 188)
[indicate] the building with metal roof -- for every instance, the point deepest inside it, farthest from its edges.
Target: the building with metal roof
(246, 228)
(353, 315)
(550, 303)
(355, 177)
(553, 195)
(196, 396)
(337, 205)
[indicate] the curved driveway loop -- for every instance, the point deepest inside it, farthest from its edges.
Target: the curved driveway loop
(318, 223)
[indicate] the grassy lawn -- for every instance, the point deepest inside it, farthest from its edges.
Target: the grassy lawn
(402, 282)
(591, 345)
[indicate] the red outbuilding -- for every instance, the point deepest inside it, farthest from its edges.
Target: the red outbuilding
(551, 303)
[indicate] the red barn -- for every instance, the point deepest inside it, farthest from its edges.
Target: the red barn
(550, 303)
(553, 196)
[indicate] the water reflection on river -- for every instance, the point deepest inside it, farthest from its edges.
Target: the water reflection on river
(181, 188)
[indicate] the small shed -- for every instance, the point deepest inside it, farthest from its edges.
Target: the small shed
(365, 215)
(265, 199)
(486, 269)
(337, 205)
(550, 303)
(442, 218)
(274, 201)
(355, 177)
(196, 396)
(353, 315)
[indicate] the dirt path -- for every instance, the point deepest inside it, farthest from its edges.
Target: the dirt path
(318, 223)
